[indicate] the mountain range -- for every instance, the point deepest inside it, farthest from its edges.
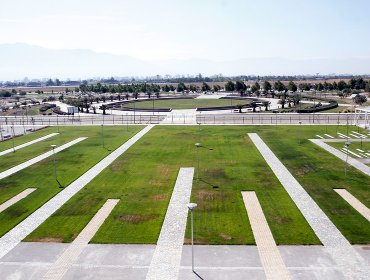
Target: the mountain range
(22, 60)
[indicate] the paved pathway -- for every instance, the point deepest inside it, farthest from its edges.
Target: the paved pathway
(18, 233)
(166, 260)
(31, 260)
(28, 163)
(351, 161)
(70, 255)
(271, 259)
(354, 202)
(15, 199)
(27, 144)
(341, 250)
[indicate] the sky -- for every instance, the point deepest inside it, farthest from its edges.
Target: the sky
(218, 30)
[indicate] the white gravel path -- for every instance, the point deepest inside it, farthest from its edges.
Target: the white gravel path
(18, 233)
(28, 163)
(270, 257)
(166, 260)
(352, 264)
(15, 199)
(71, 254)
(27, 144)
(351, 161)
(354, 202)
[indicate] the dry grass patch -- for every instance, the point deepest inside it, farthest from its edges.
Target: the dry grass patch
(137, 218)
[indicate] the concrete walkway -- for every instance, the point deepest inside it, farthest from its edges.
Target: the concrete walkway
(166, 260)
(27, 144)
(354, 202)
(18, 233)
(15, 199)
(70, 255)
(31, 260)
(339, 247)
(351, 161)
(270, 257)
(28, 163)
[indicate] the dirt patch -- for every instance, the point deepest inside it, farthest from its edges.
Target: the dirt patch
(304, 169)
(282, 220)
(163, 170)
(217, 172)
(225, 236)
(159, 197)
(50, 239)
(117, 165)
(157, 183)
(339, 211)
(137, 218)
(207, 195)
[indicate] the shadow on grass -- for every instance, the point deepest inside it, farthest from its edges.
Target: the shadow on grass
(208, 183)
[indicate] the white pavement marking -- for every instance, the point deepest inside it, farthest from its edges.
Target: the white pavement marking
(338, 246)
(18, 233)
(356, 155)
(360, 150)
(271, 259)
(355, 163)
(319, 136)
(34, 160)
(354, 202)
(166, 260)
(328, 135)
(27, 144)
(15, 199)
(343, 136)
(353, 135)
(71, 254)
(359, 134)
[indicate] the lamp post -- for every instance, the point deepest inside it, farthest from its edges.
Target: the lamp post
(198, 145)
(55, 164)
(102, 134)
(191, 207)
(346, 145)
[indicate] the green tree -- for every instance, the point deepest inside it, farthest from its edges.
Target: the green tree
(229, 86)
(181, 87)
(279, 86)
(267, 86)
(239, 86)
(205, 87)
(360, 99)
(292, 86)
(342, 85)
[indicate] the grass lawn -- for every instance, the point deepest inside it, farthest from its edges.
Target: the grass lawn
(71, 163)
(319, 173)
(187, 103)
(143, 178)
(7, 144)
(19, 156)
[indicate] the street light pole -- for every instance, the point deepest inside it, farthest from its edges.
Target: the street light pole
(198, 145)
(102, 134)
(346, 144)
(55, 165)
(191, 207)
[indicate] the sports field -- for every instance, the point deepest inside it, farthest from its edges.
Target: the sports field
(143, 178)
(186, 103)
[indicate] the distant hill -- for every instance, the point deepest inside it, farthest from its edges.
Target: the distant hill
(21, 60)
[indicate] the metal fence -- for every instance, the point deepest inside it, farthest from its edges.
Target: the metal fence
(232, 118)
